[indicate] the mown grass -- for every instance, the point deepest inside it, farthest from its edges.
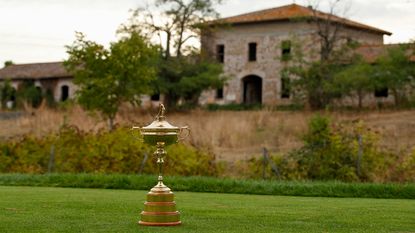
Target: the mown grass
(46, 209)
(217, 185)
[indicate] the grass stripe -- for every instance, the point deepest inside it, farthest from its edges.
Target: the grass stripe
(216, 185)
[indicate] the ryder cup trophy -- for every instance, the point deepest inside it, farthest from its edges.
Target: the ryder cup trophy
(160, 207)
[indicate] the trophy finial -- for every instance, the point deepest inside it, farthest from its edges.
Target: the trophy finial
(160, 114)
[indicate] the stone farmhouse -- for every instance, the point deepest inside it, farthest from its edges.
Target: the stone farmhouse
(255, 46)
(253, 49)
(49, 77)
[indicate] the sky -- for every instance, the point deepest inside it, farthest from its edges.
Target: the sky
(37, 30)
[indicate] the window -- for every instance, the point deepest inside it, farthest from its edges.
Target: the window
(220, 53)
(64, 92)
(285, 88)
(155, 97)
(219, 93)
(381, 92)
(252, 52)
(285, 50)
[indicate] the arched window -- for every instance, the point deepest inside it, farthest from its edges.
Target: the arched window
(252, 89)
(64, 92)
(155, 97)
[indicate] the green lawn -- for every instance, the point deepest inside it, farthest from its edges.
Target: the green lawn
(44, 209)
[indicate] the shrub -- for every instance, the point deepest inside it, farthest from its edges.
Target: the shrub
(337, 152)
(102, 152)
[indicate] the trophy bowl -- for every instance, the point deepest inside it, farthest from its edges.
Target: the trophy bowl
(162, 131)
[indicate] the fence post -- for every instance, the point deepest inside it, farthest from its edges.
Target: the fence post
(264, 162)
(51, 164)
(274, 168)
(143, 163)
(359, 154)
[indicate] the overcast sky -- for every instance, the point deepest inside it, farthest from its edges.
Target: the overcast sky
(37, 30)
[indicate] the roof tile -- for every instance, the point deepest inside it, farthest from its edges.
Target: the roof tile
(34, 71)
(293, 11)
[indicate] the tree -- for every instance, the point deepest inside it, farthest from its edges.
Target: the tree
(108, 77)
(356, 79)
(8, 63)
(181, 77)
(7, 92)
(178, 22)
(395, 71)
(29, 93)
(316, 77)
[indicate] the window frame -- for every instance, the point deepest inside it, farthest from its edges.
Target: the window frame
(252, 51)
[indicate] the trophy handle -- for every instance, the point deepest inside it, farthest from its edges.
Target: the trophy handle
(185, 128)
(134, 134)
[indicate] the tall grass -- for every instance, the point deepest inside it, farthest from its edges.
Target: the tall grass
(230, 135)
(217, 185)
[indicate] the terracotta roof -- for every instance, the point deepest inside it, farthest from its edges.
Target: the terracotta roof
(293, 11)
(34, 71)
(371, 52)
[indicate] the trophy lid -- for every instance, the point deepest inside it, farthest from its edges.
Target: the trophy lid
(160, 124)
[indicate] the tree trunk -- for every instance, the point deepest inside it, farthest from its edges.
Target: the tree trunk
(360, 97)
(170, 100)
(167, 55)
(111, 123)
(396, 97)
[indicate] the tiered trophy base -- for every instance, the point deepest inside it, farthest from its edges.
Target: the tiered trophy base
(160, 208)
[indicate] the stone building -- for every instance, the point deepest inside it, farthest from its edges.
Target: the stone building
(49, 77)
(255, 47)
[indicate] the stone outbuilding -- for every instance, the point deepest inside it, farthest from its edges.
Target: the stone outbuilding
(49, 77)
(255, 47)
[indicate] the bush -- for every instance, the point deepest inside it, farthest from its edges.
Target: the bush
(102, 152)
(29, 93)
(335, 152)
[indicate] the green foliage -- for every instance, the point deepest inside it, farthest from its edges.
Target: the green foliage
(50, 99)
(108, 77)
(7, 92)
(212, 184)
(332, 152)
(286, 50)
(336, 152)
(355, 80)
(29, 93)
(184, 78)
(395, 71)
(8, 63)
(104, 152)
(347, 74)
(183, 18)
(316, 82)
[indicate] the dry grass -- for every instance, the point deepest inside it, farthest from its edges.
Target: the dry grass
(230, 135)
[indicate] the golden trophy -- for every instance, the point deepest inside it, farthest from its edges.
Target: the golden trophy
(160, 207)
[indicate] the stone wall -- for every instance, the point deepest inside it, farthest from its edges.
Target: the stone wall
(53, 84)
(268, 36)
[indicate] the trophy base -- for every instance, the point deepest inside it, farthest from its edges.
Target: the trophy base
(160, 208)
(165, 224)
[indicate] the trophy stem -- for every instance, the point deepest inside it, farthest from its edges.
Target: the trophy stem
(160, 153)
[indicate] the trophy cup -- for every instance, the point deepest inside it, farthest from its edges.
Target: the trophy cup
(160, 207)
